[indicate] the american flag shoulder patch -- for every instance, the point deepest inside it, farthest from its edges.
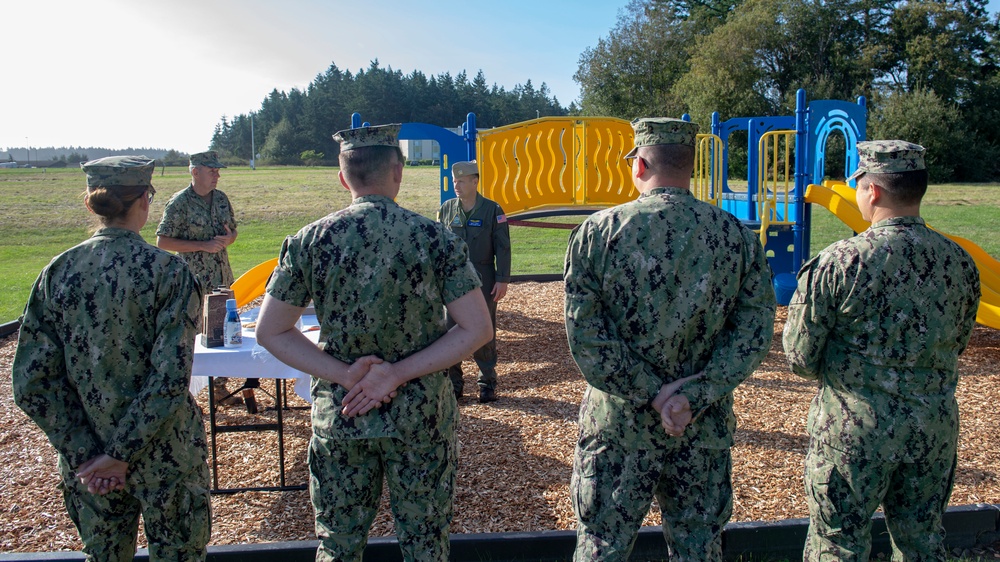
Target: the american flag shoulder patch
(501, 219)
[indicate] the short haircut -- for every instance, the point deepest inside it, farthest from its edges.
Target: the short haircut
(904, 188)
(670, 158)
(368, 165)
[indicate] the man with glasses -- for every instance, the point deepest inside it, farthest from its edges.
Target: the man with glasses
(198, 223)
(669, 307)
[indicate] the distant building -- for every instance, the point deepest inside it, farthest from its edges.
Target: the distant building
(417, 150)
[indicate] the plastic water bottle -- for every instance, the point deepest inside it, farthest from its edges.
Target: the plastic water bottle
(232, 332)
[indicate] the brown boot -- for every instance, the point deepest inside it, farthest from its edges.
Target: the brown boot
(221, 394)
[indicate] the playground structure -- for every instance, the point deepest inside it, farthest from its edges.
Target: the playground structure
(556, 166)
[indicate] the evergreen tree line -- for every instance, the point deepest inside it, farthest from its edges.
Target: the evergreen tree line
(928, 68)
(297, 127)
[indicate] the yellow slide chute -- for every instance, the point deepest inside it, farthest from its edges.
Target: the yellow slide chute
(838, 198)
(251, 284)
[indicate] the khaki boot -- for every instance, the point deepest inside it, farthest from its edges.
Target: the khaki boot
(221, 394)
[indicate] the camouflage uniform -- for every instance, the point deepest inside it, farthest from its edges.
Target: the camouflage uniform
(487, 235)
(188, 217)
(379, 276)
(658, 289)
(880, 320)
(103, 366)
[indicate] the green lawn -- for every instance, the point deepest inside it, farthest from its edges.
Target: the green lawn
(42, 214)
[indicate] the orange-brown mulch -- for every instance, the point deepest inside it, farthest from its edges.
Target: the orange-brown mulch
(516, 454)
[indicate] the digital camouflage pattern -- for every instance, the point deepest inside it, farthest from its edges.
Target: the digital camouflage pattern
(188, 217)
(880, 320)
(347, 475)
(119, 171)
(379, 276)
(658, 289)
(651, 131)
(208, 159)
(692, 485)
(103, 365)
(381, 135)
(913, 497)
(487, 235)
(887, 157)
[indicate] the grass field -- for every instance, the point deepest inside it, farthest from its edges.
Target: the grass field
(42, 214)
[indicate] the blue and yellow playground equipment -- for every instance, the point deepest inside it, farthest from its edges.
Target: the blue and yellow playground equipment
(556, 166)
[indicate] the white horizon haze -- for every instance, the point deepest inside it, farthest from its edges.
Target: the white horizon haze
(162, 73)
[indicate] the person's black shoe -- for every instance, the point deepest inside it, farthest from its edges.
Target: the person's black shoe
(487, 395)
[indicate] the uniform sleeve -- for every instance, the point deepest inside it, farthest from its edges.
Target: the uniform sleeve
(501, 246)
(746, 336)
(165, 389)
(974, 295)
(288, 283)
(173, 221)
(42, 387)
(604, 358)
(230, 213)
(811, 319)
(458, 273)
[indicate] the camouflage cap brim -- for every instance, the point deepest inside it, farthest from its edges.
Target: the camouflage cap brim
(380, 135)
(651, 131)
(119, 171)
(888, 157)
(208, 159)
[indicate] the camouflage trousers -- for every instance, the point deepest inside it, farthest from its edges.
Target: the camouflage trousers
(345, 484)
(843, 493)
(485, 358)
(613, 486)
(175, 508)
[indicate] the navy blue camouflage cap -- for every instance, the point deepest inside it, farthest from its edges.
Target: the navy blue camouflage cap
(462, 169)
(208, 159)
(119, 171)
(651, 131)
(381, 135)
(888, 157)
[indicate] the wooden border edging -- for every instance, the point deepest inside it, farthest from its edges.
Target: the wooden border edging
(967, 526)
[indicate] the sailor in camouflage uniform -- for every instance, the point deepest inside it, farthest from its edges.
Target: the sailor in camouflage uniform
(661, 292)
(482, 223)
(381, 278)
(198, 223)
(103, 365)
(880, 320)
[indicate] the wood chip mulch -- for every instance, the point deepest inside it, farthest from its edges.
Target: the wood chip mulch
(516, 454)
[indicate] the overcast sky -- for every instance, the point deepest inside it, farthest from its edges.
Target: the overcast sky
(161, 73)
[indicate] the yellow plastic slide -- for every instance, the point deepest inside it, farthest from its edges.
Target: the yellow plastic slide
(838, 198)
(251, 284)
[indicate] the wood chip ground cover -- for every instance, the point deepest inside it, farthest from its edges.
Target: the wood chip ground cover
(516, 454)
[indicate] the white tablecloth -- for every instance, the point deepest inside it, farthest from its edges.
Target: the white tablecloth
(248, 361)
